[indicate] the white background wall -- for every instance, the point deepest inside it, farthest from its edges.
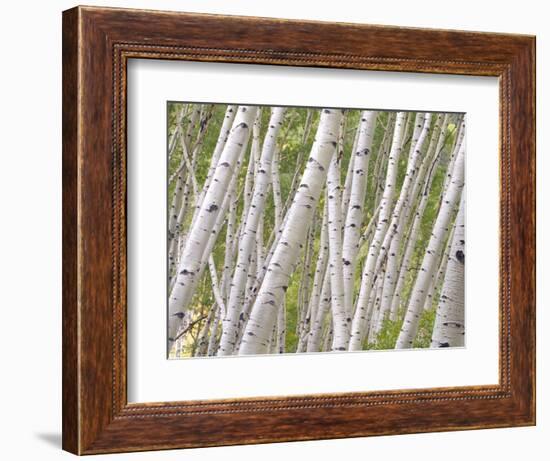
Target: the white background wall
(30, 228)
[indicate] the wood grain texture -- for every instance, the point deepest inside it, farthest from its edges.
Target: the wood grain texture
(97, 42)
(70, 385)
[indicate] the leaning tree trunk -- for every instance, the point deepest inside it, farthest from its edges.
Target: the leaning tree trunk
(320, 270)
(220, 144)
(419, 136)
(449, 321)
(248, 237)
(271, 294)
(359, 319)
(192, 256)
(392, 240)
(422, 187)
(315, 333)
(339, 314)
(427, 269)
(174, 137)
(355, 209)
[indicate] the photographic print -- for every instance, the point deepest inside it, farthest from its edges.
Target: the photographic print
(306, 230)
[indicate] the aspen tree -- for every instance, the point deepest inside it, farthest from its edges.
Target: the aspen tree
(449, 321)
(248, 237)
(427, 269)
(192, 255)
(356, 204)
(272, 291)
(360, 316)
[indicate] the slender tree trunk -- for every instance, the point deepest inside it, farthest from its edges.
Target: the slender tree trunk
(426, 273)
(220, 144)
(316, 331)
(379, 173)
(449, 321)
(392, 240)
(359, 319)
(192, 257)
(437, 280)
(202, 343)
(459, 135)
(423, 188)
(375, 309)
(276, 186)
(320, 268)
(213, 340)
(305, 291)
(230, 236)
(355, 209)
(248, 239)
(341, 319)
(281, 329)
(272, 291)
(346, 193)
(182, 189)
(173, 142)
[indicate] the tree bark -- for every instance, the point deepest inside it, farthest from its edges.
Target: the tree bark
(356, 207)
(272, 291)
(426, 273)
(248, 237)
(358, 325)
(392, 240)
(341, 319)
(449, 321)
(422, 188)
(192, 255)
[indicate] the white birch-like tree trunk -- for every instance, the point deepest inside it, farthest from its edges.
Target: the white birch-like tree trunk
(276, 187)
(193, 253)
(356, 207)
(381, 158)
(173, 141)
(449, 321)
(248, 238)
(422, 187)
(225, 129)
(271, 294)
(346, 193)
(320, 268)
(437, 280)
(427, 269)
(392, 240)
(315, 333)
(304, 291)
(182, 183)
(341, 319)
(360, 316)
(460, 135)
(419, 136)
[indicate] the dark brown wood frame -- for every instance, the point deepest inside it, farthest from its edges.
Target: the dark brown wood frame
(97, 43)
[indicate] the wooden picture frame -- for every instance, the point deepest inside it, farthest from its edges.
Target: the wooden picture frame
(97, 43)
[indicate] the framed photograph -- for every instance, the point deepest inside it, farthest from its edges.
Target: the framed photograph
(266, 223)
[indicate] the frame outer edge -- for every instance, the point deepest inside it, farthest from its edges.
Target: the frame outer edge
(70, 185)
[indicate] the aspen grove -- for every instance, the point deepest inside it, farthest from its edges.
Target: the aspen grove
(313, 230)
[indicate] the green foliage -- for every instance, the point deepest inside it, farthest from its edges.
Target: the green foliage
(387, 337)
(425, 327)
